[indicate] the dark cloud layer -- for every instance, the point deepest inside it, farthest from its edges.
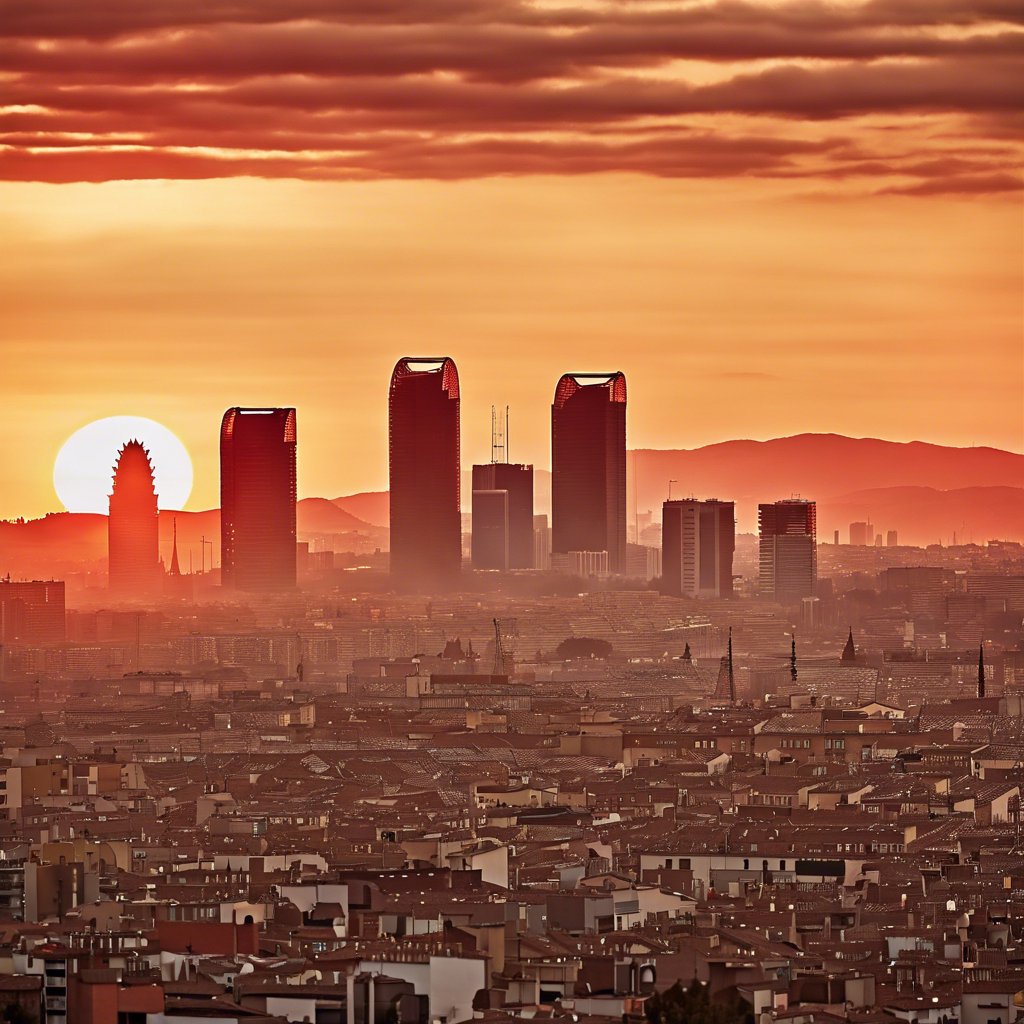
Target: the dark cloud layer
(464, 88)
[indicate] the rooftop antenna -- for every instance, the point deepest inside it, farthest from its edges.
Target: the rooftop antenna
(732, 678)
(497, 438)
(670, 483)
(506, 433)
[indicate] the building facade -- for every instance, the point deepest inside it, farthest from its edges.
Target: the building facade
(698, 539)
(424, 467)
(516, 480)
(32, 612)
(133, 541)
(787, 549)
(588, 466)
(257, 499)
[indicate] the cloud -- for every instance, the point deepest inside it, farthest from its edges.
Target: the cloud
(464, 88)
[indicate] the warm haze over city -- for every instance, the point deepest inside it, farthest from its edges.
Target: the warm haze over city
(779, 217)
(512, 511)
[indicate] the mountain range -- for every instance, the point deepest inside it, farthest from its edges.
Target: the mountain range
(928, 493)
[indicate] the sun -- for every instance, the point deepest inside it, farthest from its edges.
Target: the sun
(83, 471)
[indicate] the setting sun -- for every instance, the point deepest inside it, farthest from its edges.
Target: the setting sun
(83, 470)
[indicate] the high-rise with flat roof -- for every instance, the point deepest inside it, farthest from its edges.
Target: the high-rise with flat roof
(588, 466)
(423, 457)
(517, 481)
(788, 555)
(698, 541)
(32, 612)
(257, 499)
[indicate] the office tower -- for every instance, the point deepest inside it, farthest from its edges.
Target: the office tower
(517, 481)
(892, 539)
(862, 534)
(423, 426)
(788, 557)
(257, 499)
(697, 543)
(490, 529)
(588, 466)
(32, 613)
(133, 543)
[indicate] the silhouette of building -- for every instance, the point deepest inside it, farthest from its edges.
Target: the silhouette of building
(892, 539)
(698, 539)
(257, 499)
(32, 612)
(490, 529)
(862, 534)
(423, 433)
(788, 556)
(133, 539)
(516, 480)
(588, 466)
(541, 542)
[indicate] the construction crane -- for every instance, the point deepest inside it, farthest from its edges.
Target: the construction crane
(505, 633)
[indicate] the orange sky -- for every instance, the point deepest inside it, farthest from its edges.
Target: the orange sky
(774, 217)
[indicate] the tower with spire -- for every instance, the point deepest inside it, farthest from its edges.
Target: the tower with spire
(849, 651)
(133, 543)
(981, 671)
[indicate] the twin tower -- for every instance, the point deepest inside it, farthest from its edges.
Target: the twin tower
(588, 484)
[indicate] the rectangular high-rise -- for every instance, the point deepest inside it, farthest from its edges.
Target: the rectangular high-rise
(588, 466)
(698, 539)
(788, 555)
(424, 467)
(257, 499)
(517, 480)
(32, 612)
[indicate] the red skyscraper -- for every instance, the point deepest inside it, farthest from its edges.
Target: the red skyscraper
(423, 434)
(257, 499)
(133, 543)
(588, 465)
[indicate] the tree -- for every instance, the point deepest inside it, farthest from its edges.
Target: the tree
(693, 1005)
(583, 647)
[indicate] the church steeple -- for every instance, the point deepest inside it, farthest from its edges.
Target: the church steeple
(174, 570)
(792, 659)
(849, 651)
(981, 671)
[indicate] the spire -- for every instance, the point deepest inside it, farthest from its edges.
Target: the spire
(687, 656)
(175, 569)
(849, 651)
(792, 659)
(981, 671)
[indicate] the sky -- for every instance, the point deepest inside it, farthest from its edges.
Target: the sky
(775, 217)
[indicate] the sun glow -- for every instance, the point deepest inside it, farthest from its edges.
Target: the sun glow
(84, 468)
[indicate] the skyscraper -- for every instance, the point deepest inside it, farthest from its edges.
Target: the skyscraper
(588, 466)
(517, 480)
(423, 436)
(133, 542)
(257, 499)
(788, 555)
(698, 540)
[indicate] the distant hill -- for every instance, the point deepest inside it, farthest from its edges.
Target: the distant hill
(370, 506)
(828, 468)
(68, 541)
(319, 515)
(924, 515)
(926, 492)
